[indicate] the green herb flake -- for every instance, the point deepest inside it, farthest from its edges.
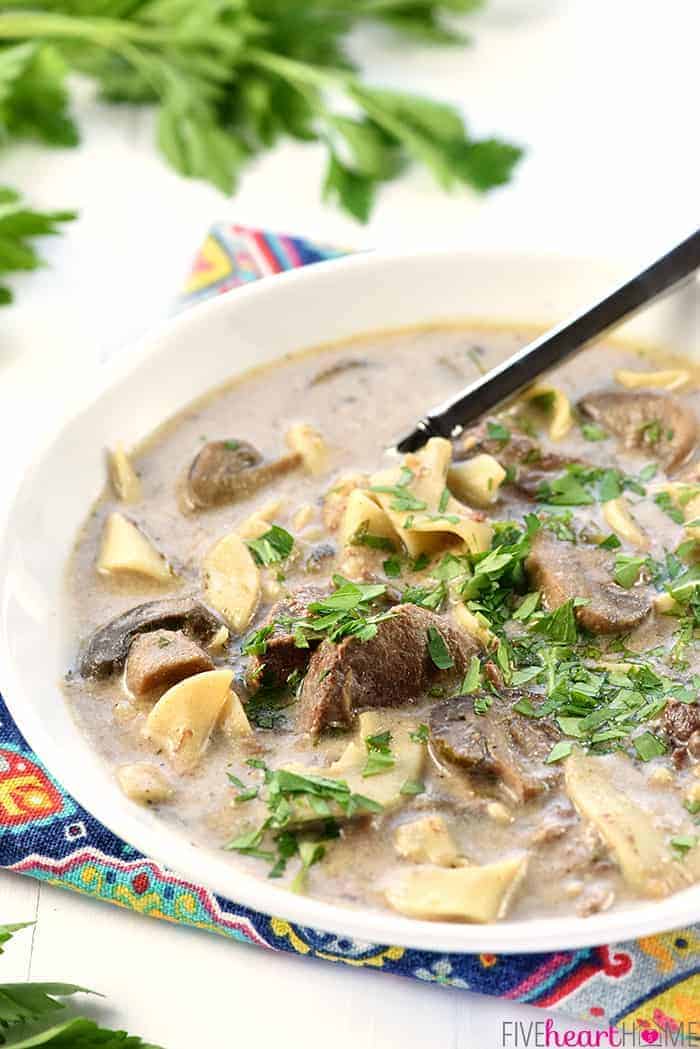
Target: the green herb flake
(363, 537)
(627, 569)
(496, 431)
(412, 787)
(664, 501)
(438, 650)
(472, 679)
(683, 843)
(648, 746)
(593, 432)
(275, 545)
(392, 567)
(560, 750)
(379, 755)
(421, 735)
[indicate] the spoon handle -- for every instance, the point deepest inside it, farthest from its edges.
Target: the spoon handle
(556, 345)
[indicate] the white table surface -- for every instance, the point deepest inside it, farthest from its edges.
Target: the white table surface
(601, 92)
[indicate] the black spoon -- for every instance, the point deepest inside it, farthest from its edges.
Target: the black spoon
(446, 420)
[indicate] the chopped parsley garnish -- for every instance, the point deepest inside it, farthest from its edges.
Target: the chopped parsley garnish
(256, 643)
(363, 537)
(581, 485)
(284, 792)
(664, 501)
(231, 446)
(347, 612)
(527, 606)
(648, 746)
(421, 735)
(651, 432)
(482, 705)
(379, 755)
(392, 567)
(244, 793)
(403, 500)
(560, 624)
(496, 431)
(611, 542)
(439, 652)
(432, 596)
(412, 787)
(275, 545)
(559, 524)
(627, 569)
(593, 432)
(444, 500)
(683, 843)
(472, 679)
(560, 750)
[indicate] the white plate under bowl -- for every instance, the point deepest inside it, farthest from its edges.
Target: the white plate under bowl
(190, 354)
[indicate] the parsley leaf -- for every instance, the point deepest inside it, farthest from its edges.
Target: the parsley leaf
(627, 569)
(648, 746)
(439, 652)
(560, 625)
(379, 754)
(228, 80)
(421, 735)
(19, 225)
(275, 545)
(593, 432)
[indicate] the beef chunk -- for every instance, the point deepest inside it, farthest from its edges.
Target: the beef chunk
(500, 745)
(162, 658)
(107, 649)
(224, 471)
(565, 570)
(658, 422)
(681, 722)
(529, 464)
(392, 668)
(282, 656)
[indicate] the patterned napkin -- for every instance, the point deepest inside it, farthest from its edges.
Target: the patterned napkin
(650, 986)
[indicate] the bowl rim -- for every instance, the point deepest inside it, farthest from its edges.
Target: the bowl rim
(169, 847)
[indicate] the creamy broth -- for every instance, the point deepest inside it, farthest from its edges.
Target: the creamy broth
(511, 803)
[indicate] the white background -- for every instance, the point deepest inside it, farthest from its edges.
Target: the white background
(602, 92)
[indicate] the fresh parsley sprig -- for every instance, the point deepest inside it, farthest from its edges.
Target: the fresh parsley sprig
(19, 226)
(228, 79)
(33, 1014)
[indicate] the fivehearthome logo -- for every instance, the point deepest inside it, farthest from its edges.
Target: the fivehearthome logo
(548, 1034)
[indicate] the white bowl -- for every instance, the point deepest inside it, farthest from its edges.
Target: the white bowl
(190, 354)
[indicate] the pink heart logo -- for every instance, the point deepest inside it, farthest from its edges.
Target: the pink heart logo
(650, 1037)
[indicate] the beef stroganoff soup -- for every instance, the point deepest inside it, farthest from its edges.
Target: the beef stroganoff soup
(457, 684)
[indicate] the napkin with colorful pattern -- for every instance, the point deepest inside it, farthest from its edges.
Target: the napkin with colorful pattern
(650, 986)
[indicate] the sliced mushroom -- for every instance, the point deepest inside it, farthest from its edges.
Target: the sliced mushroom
(563, 571)
(107, 649)
(657, 422)
(224, 471)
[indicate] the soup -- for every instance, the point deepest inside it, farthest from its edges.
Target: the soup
(459, 684)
